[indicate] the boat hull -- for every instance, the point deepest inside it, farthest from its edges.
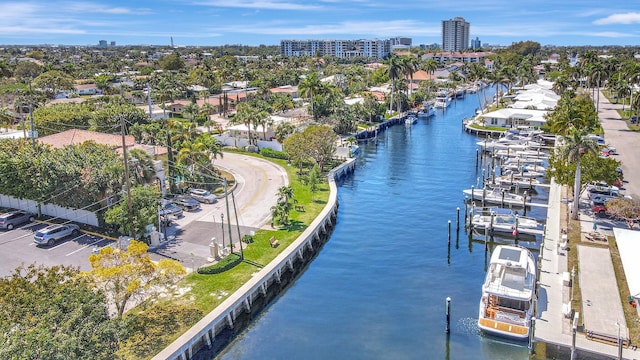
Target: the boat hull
(502, 329)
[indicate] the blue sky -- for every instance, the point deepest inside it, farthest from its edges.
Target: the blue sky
(254, 22)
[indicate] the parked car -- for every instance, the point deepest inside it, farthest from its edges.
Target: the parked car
(602, 188)
(187, 203)
(12, 219)
(598, 139)
(600, 199)
(52, 233)
(609, 150)
(599, 209)
(170, 208)
(203, 196)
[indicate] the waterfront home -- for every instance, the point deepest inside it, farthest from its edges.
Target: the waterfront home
(87, 89)
(514, 118)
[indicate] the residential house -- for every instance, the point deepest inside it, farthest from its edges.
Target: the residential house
(87, 89)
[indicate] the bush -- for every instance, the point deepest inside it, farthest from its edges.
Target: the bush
(266, 152)
(247, 239)
(223, 265)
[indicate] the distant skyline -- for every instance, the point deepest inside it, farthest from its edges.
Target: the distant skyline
(255, 22)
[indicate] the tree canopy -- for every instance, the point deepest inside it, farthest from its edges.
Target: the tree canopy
(53, 313)
(130, 275)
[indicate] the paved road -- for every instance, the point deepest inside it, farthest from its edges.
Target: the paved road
(617, 133)
(257, 184)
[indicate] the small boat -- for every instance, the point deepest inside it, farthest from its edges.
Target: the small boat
(427, 110)
(524, 173)
(495, 196)
(503, 220)
(508, 293)
(517, 181)
(410, 120)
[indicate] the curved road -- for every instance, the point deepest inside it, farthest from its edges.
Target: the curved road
(257, 184)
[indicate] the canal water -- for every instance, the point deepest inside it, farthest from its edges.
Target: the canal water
(377, 289)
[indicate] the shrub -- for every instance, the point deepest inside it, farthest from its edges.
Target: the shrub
(223, 265)
(266, 152)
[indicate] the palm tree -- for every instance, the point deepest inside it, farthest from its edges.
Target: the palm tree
(191, 111)
(141, 166)
(6, 118)
(244, 115)
(408, 66)
(207, 110)
(394, 68)
(597, 74)
(575, 145)
(309, 87)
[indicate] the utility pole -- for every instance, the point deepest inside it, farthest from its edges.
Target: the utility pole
(33, 126)
(127, 184)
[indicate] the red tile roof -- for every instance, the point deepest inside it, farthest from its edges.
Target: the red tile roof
(77, 136)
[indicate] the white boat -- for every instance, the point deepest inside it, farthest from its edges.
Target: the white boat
(410, 120)
(427, 110)
(508, 293)
(517, 181)
(522, 161)
(527, 167)
(503, 220)
(524, 173)
(495, 196)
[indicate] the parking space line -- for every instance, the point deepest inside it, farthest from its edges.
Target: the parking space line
(86, 246)
(64, 243)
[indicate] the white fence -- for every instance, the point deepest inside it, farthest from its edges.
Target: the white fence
(242, 142)
(77, 215)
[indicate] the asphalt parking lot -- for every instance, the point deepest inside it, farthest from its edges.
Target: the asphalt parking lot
(18, 248)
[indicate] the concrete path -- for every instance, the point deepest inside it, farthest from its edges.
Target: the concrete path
(601, 304)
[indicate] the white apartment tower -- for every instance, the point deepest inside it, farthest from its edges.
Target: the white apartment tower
(369, 48)
(455, 34)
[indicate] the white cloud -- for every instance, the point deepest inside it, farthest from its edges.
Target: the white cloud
(628, 18)
(258, 4)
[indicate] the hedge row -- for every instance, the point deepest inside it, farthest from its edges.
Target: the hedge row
(223, 265)
(266, 152)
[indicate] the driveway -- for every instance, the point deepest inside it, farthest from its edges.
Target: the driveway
(617, 133)
(257, 184)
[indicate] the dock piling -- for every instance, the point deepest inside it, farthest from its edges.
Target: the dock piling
(448, 315)
(457, 219)
(532, 336)
(449, 231)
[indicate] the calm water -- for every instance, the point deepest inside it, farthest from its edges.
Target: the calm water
(377, 289)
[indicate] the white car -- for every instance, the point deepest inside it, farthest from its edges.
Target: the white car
(203, 196)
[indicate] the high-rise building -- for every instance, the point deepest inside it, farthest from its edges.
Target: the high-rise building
(113, 44)
(369, 48)
(102, 43)
(455, 34)
(476, 44)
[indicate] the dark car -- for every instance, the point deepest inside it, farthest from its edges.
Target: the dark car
(187, 203)
(170, 208)
(14, 218)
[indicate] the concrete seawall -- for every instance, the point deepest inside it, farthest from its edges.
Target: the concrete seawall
(220, 326)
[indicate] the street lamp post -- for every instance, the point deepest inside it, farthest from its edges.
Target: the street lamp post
(222, 225)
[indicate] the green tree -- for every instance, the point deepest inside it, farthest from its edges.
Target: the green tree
(131, 275)
(575, 145)
(283, 130)
(394, 69)
(309, 87)
(53, 313)
(144, 201)
(172, 62)
(314, 180)
(52, 81)
(283, 205)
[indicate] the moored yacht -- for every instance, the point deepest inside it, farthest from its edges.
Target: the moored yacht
(508, 293)
(495, 196)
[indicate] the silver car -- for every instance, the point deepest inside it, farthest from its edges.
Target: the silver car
(14, 218)
(52, 233)
(203, 196)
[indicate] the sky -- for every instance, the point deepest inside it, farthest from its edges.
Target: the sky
(255, 22)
